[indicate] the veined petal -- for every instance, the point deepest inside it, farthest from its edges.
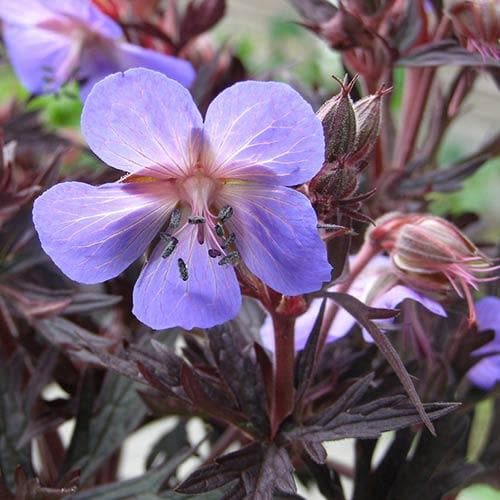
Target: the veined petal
(276, 234)
(94, 233)
(264, 125)
(486, 373)
(42, 59)
(39, 12)
(133, 56)
(209, 296)
(25, 12)
(142, 122)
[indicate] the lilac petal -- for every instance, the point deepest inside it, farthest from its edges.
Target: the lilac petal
(41, 59)
(265, 126)
(210, 295)
(486, 373)
(398, 293)
(133, 56)
(488, 314)
(142, 122)
(276, 235)
(25, 12)
(94, 233)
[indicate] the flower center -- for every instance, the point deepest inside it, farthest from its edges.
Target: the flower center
(198, 207)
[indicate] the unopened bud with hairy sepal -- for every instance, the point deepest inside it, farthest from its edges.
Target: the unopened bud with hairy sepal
(368, 121)
(432, 255)
(339, 123)
(477, 26)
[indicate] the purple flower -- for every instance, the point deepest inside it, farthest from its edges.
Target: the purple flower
(486, 373)
(50, 42)
(376, 286)
(217, 189)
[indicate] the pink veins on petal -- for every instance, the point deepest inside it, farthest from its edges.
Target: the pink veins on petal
(211, 196)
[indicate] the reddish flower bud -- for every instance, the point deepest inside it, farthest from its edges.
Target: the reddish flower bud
(346, 30)
(339, 123)
(432, 255)
(368, 120)
(477, 25)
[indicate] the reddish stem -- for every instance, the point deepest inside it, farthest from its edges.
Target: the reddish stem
(284, 349)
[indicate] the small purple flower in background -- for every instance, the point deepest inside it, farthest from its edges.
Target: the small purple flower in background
(217, 189)
(376, 286)
(50, 42)
(486, 373)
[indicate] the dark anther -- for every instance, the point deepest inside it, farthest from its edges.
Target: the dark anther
(183, 270)
(171, 244)
(219, 230)
(225, 213)
(196, 219)
(213, 252)
(232, 258)
(175, 218)
(229, 240)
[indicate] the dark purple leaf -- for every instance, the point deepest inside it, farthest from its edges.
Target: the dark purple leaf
(446, 52)
(104, 423)
(327, 479)
(259, 471)
(364, 314)
(237, 364)
(13, 420)
(169, 444)
(306, 363)
(139, 487)
(438, 465)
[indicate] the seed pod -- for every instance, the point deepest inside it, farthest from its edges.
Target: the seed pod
(368, 120)
(339, 124)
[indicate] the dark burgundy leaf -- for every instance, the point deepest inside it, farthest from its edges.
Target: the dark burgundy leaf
(446, 52)
(364, 314)
(115, 413)
(169, 444)
(438, 465)
(259, 471)
(327, 479)
(13, 420)
(237, 363)
(140, 487)
(305, 366)
(368, 421)
(207, 398)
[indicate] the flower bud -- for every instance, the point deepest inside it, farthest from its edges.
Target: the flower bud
(368, 120)
(339, 123)
(432, 255)
(477, 25)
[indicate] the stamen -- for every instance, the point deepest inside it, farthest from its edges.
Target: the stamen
(219, 230)
(213, 252)
(175, 218)
(183, 270)
(229, 240)
(225, 213)
(232, 258)
(196, 219)
(171, 244)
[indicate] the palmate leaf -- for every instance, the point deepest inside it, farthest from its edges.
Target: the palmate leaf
(254, 472)
(140, 487)
(101, 430)
(364, 315)
(237, 365)
(13, 421)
